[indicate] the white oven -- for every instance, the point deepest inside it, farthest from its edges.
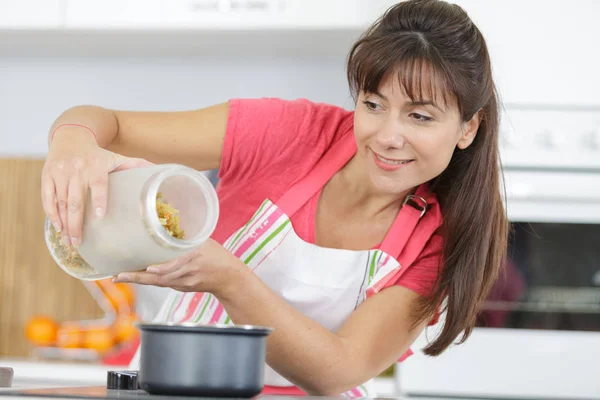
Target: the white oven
(539, 334)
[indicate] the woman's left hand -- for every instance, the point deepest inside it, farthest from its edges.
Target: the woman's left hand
(211, 268)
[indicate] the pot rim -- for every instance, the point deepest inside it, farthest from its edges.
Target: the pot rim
(204, 328)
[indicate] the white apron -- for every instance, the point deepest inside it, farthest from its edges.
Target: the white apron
(324, 284)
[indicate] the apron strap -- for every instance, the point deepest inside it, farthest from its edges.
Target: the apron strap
(334, 159)
(414, 240)
(420, 208)
(416, 243)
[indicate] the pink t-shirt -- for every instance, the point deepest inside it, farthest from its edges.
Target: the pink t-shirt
(272, 143)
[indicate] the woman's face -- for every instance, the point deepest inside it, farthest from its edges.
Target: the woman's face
(403, 144)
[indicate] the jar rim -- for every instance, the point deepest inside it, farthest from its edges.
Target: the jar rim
(91, 276)
(150, 217)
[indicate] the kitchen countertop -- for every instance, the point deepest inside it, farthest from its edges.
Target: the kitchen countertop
(34, 379)
(29, 373)
(101, 393)
(34, 373)
(37, 375)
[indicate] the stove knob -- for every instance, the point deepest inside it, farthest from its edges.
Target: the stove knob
(122, 380)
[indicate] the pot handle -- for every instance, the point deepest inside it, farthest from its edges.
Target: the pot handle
(122, 380)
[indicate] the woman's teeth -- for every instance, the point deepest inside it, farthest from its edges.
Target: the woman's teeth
(385, 160)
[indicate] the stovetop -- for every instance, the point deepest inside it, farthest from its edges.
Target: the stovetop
(92, 392)
(101, 392)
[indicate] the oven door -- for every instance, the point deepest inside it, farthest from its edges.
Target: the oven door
(539, 334)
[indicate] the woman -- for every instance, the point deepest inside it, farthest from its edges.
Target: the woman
(331, 228)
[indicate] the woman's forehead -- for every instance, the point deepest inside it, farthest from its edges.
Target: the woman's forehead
(417, 84)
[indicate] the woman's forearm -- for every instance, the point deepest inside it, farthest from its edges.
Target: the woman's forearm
(300, 349)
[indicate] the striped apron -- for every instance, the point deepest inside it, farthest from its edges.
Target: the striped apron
(324, 284)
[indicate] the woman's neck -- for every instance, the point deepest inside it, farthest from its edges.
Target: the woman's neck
(355, 191)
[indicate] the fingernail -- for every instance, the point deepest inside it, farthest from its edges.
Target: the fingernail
(122, 278)
(66, 240)
(152, 270)
(99, 212)
(75, 242)
(56, 227)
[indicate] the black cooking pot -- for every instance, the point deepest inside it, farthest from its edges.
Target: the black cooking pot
(202, 360)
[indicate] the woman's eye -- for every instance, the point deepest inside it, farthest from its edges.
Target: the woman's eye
(421, 118)
(371, 106)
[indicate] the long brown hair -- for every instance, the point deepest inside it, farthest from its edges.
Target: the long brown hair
(438, 38)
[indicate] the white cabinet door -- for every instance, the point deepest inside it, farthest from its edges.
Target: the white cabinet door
(111, 14)
(543, 51)
(31, 14)
(256, 14)
(222, 14)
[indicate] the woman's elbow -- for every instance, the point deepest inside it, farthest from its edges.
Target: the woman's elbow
(329, 385)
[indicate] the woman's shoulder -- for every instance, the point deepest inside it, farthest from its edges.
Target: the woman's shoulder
(272, 132)
(274, 104)
(300, 115)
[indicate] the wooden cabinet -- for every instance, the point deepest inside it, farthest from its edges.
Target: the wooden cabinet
(30, 282)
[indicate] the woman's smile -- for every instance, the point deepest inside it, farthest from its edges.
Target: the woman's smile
(389, 164)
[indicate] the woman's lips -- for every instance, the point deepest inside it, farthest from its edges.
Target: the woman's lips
(388, 164)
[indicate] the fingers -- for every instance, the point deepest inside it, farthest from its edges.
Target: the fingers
(75, 206)
(171, 266)
(175, 274)
(170, 273)
(140, 278)
(61, 187)
(64, 192)
(99, 193)
(175, 280)
(65, 182)
(49, 202)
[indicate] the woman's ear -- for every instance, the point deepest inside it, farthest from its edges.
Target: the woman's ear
(469, 131)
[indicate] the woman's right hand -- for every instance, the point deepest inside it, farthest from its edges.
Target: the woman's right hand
(76, 166)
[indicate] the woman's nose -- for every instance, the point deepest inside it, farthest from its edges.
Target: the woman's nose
(391, 136)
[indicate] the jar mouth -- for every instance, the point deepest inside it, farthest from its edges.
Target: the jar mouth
(80, 269)
(203, 192)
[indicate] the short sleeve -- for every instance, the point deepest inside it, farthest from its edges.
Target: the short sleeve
(276, 133)
(421, 276)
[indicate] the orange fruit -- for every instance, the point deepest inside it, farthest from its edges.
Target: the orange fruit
(120, 295)
(124, 328)
(127, 293)
(69, 335)
(41, 331)
(99, 339)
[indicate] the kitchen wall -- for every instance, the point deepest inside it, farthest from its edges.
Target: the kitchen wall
(35, 90)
